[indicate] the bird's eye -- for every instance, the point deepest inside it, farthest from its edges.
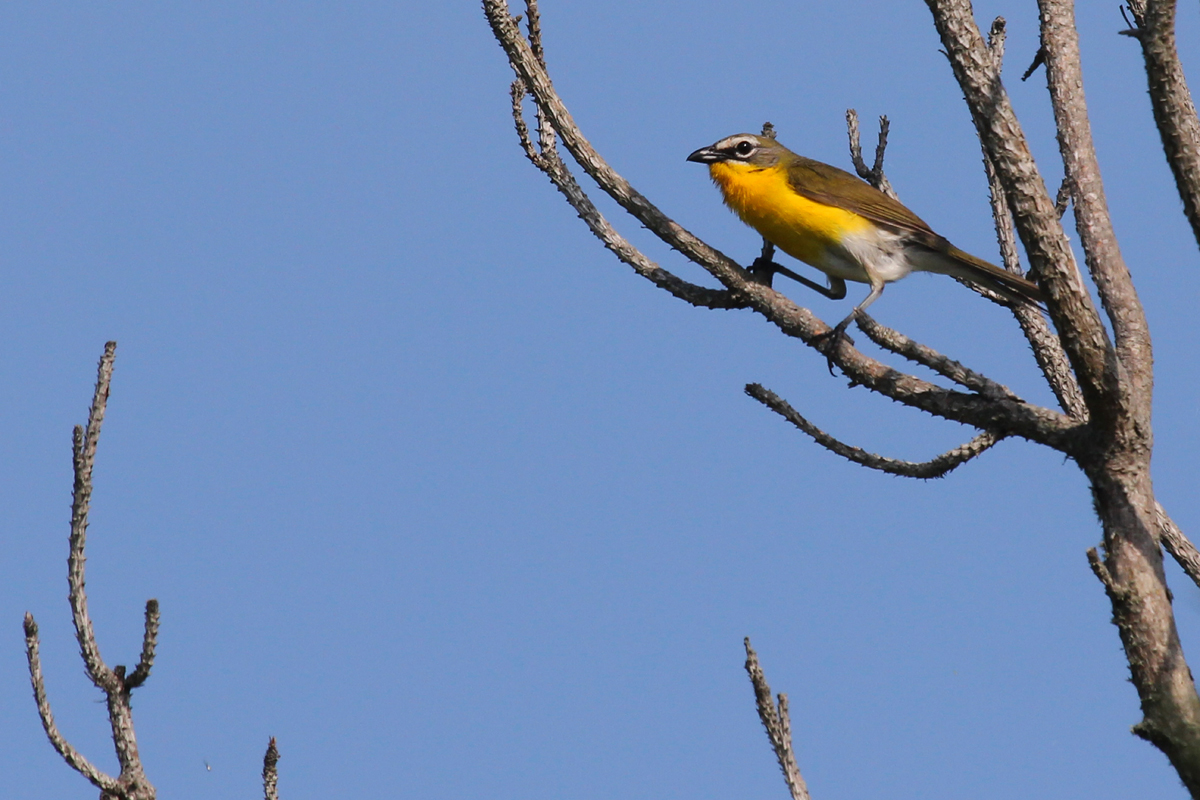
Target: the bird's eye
(743, 148)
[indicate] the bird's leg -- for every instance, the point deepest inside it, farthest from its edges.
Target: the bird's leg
(765, 269)
(829, 341)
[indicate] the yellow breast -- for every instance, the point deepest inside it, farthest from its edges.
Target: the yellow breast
(763, 199)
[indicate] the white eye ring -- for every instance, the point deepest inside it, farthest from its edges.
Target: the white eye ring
(743, 148)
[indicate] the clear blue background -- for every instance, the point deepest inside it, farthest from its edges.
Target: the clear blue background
(437, 492)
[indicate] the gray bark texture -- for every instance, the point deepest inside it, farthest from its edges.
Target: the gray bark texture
(1104, 384)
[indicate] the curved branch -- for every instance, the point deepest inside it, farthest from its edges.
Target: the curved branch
(149, 642)
(84, 447)
(1003, 416)
(778, 724)
(69, 754)
(1171, 100)
(926, 356)
(550, 163)
(925, 470)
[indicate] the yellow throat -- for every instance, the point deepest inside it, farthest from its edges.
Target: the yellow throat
(765, 201)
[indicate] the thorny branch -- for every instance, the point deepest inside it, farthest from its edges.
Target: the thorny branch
(1170, 99)
(1104, 387)
(778, 724)
(1115, 378)
(925, 470)
(998, 414)
(270, 772)
(131, 784)
(918, 353)
(72, 756)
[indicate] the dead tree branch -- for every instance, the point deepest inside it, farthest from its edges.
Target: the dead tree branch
(1071, 309)
(926, 356)
(1178, 545)
(1104, 387)
(873, 175)
(926, 470)
(778, 724)
(1064, 75)
(1170, 99)
(1001, 415)
(1115, 379)
(72, 756)
(132, 783)
(270, 772)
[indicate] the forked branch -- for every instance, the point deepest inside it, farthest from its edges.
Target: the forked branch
(131, 784)
(778, 724)
(1002, 415)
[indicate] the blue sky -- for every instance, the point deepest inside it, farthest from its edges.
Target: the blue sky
(438, 493)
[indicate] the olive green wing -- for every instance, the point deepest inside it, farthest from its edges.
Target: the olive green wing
(831, 186)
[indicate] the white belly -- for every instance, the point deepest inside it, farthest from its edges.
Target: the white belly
(859, 256)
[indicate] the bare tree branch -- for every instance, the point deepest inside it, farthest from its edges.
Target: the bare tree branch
(1046, 347)
(778, 724)
(84, 447)
(548, 161)
(1002, 416)
(270, 772)
(149, 641)
(1177, 544)
(132, 783)
(1080, 329)
(1064, 75)
(873, 175)
(926, 356)
(925, 470)
(72, 756)
(1170, 99)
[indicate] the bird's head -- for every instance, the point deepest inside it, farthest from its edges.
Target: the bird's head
(741, 152)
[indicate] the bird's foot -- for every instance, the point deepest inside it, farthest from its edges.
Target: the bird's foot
(828, 342)
(763, 270)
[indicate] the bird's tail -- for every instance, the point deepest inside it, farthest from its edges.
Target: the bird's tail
(949, 260)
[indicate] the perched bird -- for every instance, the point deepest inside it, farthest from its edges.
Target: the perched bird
(839, 224)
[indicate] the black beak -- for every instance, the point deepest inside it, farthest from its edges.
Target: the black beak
(706, 155)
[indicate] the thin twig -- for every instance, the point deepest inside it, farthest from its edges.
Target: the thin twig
(72, 756)
(926, 356)
(925, 470)
(1047, 349)
(778, 724)
(270, 772)
(873, 175)
(551, 164)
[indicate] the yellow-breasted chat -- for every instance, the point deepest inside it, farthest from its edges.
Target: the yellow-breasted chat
(839, 224)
